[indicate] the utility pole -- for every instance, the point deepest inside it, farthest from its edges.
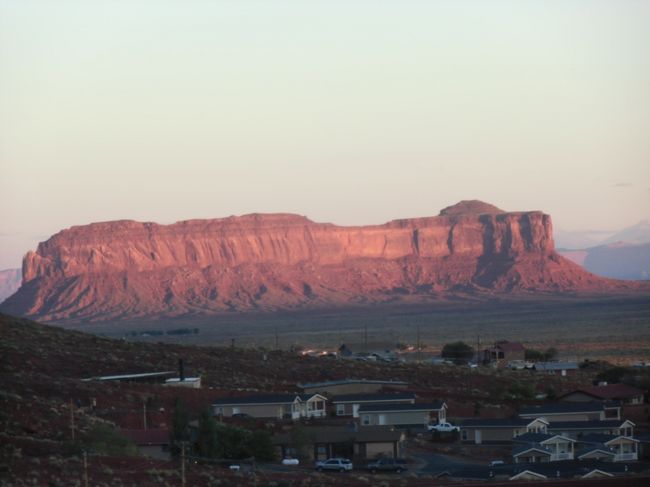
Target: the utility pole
(85, 469)
(72, 420)
(478, 347)
(418, 345)
(183, 464)
(144, 413)
(276, 338)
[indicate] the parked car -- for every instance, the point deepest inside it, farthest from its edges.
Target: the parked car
(497, 463)
(388, 465)
(337, 464)
(290, 461)
(443, 427)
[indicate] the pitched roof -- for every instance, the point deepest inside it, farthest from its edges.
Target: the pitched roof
(380, 408)
(562, 408)
(538, 438)
(520, 450)
(528, 473)
(610, 391)
(593, 449)
(401, 396)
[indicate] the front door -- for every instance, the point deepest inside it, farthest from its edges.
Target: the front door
(478, 437)
(382, 419)
(355, 410)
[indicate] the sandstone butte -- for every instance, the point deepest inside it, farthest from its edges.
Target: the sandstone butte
(126, 269)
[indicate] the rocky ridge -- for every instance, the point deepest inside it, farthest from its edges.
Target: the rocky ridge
(128, 269)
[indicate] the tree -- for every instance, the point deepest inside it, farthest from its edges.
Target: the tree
(260, 446)
(459, 352)
(207, 441)
(550, 354)
(180, 426)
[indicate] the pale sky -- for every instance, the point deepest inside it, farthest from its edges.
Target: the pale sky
(351, 112)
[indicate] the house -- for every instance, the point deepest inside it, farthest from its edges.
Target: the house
(153, 443)
(570, 411)
(562, 369)
(403, 415)
(191, 382)
(487, 430)
(147, 377)
(596, 474)
(558, 447)
(351, 386)
(349, 404)
(359, 444)
(503, 352)
(627, 395)
(531, 454)
(528, 475)
(578, 429)
(625, 448)
(277, 406)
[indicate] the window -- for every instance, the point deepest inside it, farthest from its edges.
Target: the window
(340, 409)
(366, 419)
(463, 434)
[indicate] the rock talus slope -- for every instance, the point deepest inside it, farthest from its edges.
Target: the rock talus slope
(127, 269)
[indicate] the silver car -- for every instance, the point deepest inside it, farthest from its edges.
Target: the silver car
(336, 464)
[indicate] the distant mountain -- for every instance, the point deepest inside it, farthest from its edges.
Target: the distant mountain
(618, 260)
(639, 233)
(9, 282)
(579, 239)
(268, 262)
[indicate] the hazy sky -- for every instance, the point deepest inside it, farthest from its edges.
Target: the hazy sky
(353, 112)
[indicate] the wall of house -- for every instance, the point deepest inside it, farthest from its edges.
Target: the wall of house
(256, 410)
(533, 457)
(398, 418)
(570, 416)
(578, 397)
(490, 435)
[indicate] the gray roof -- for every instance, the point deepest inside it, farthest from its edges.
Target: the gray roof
(584, 425)
(518, 450)
(594, 448)
(496, 422)
(379, 408)
(532, 438)
(401, 396)
(352, 381)
(262, 399)
(145, 375)
(562, 408)
(333, 434)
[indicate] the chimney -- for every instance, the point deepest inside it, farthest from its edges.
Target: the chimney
(181, 370)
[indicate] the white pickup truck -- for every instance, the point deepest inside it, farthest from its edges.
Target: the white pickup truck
(443, 427)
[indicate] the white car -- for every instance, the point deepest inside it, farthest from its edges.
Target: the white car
(443, 427)
(290, 461)
(337, 464)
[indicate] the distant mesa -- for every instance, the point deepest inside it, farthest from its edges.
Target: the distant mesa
(267, 262)
(9, 282)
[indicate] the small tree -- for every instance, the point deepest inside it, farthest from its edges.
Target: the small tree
(459, 352)
(260, 446)
(206, 443)
(180, 426)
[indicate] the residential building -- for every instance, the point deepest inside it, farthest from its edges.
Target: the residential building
(562, 369)
(349, 404)
(276, 406)
(578, 429)
(503, 352)
(351, 386)
(572, 411)
(627, 395)
(490, 430)
(402, 415)
(319, 443)
(153, 443)
(624, 448)
(557, 447)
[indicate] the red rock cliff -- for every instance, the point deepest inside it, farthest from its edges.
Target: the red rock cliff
(129, 269)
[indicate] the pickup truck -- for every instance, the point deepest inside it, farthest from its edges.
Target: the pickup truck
(443, 427)
(387, 465)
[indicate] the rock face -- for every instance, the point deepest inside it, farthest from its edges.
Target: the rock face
(127, 269)
(9, 282)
